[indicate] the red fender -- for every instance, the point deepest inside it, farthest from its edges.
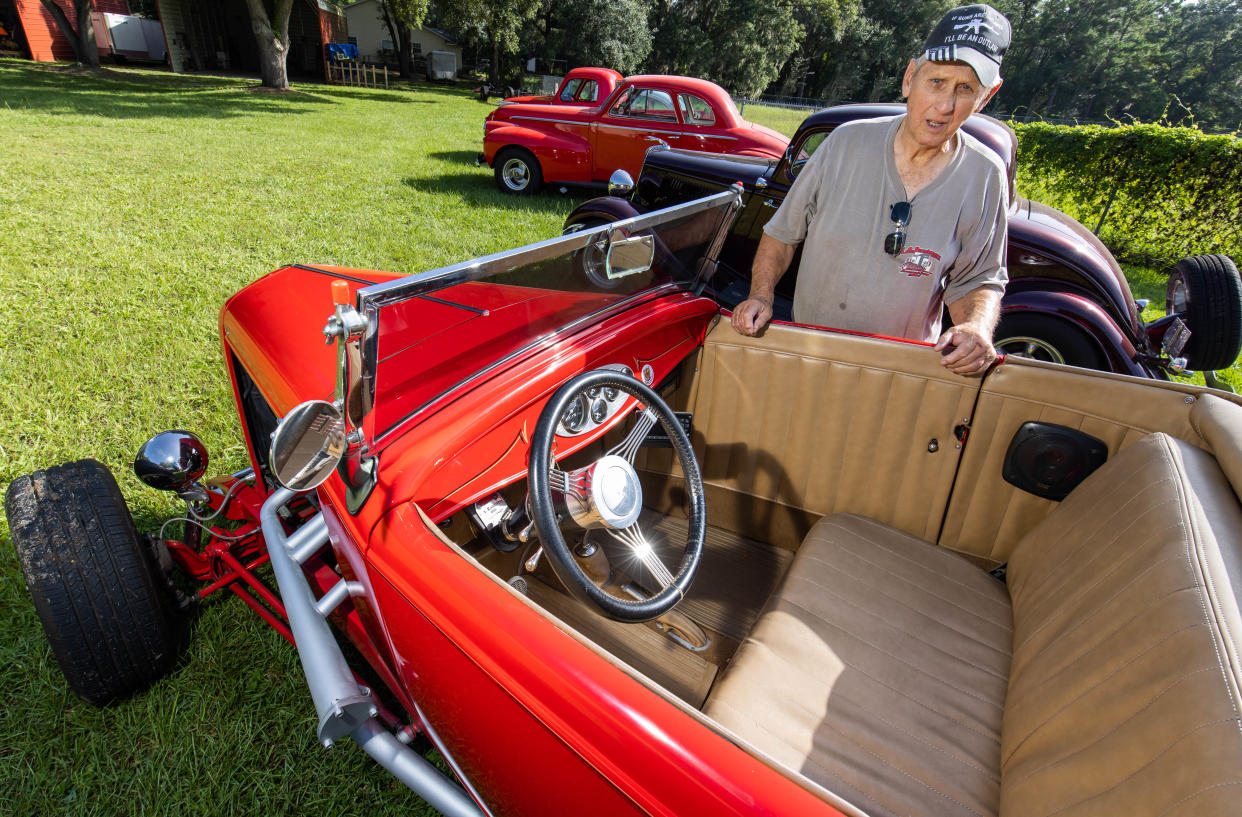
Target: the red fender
(563, 156)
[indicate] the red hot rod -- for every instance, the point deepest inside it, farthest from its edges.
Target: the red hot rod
(580, 532)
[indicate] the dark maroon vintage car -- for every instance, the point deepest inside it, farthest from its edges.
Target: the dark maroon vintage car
(1068, 300)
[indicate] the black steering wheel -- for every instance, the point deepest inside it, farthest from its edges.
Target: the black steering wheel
(606, 495)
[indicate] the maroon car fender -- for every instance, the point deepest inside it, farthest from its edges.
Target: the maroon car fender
(1086, 315)
(600, 210)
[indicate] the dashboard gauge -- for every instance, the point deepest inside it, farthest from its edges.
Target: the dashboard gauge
(599, 411)
(592, 392)
(611, 393)
(575, 417)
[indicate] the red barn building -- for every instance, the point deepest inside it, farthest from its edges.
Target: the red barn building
(43, 36)
(201, 35)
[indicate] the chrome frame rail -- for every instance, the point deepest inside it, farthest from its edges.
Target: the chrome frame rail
(344, 707)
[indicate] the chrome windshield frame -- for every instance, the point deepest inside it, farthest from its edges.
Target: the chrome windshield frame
(378, 295)
(356, 327)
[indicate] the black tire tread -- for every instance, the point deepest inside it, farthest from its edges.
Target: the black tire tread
(1075, 344)
(103, 605)
(536, 176)
(1214, 310)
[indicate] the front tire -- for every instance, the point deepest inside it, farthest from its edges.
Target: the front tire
(1206, 292)
(590, 260)
(98, 592)
(517, 172)
(1024, 334)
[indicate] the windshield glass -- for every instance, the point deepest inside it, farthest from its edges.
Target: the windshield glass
(432, 334)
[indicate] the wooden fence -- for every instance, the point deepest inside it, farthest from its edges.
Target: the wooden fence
(349, 72)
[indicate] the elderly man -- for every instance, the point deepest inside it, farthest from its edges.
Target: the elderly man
(901, 216)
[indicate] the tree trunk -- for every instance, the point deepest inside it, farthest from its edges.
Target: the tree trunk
(272, 37)
(83, 38)
(400, 34)
(405, 51)
(495, 72)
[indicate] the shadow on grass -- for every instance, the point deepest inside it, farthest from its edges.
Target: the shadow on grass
(478, 187)
(125, 95)
(402, 95)
(461, 157)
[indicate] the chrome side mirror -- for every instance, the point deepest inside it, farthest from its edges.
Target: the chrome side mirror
(620, 183)
(171, 460)
(629, 256)
(307, 445)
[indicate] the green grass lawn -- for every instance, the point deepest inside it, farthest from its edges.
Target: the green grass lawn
(132, 204)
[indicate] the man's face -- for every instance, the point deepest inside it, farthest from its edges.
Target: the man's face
(940, 96)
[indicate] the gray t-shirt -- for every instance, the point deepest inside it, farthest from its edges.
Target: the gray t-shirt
(840, 206)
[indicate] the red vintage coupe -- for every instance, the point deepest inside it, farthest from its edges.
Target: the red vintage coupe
(612, 558)
(580, 87)
(528, 145)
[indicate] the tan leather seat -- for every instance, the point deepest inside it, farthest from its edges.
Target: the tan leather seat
(881, 668)
(878, 670)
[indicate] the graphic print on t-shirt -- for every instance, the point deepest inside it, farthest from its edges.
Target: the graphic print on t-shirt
(917, 262)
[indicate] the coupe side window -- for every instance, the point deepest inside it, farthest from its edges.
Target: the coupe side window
(571, 87)
(648, 103)
(622, 106)
(589, 92)
(695, 110)
(803, 152)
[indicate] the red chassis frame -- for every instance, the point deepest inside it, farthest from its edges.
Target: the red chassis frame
(231, 550)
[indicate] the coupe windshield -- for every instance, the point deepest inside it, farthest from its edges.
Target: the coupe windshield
(424, 333)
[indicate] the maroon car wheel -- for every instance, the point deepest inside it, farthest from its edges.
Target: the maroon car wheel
(98, 592)
(1026, 334)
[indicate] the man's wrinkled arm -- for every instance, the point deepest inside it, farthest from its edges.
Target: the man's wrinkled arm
(772, 258)
(967, 345)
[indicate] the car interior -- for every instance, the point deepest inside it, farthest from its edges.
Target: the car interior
(923, 593)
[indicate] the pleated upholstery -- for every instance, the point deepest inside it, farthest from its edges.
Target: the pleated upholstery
(1124, 691)
(1106, 679)
(879, 671)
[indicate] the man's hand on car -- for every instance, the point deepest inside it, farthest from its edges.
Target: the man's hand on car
(966, 350)
(751, 316)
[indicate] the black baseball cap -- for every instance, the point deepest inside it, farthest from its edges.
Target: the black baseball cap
(977, 35)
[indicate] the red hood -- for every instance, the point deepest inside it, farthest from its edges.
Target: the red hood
(426, 345)
(508, 111)
(275, 327)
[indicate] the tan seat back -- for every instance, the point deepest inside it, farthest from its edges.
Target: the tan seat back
(802, 423)
(1124, 690)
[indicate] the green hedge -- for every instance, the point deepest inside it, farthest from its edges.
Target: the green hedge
(1161, 193)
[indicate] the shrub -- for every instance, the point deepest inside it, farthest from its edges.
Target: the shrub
(1154, 193)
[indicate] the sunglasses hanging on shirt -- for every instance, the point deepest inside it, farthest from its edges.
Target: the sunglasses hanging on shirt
(895, 241)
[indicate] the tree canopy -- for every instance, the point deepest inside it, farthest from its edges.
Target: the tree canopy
(1126, 60)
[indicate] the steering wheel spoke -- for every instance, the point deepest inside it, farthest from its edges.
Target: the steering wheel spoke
(565, 483)
(633, 538)
(628, 448)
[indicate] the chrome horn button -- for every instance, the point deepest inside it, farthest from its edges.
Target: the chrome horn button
(605, 494)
